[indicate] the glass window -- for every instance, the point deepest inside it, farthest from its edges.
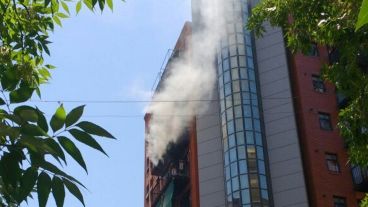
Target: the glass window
(227, 89)
(224, 132)
(230, 28)
(225, 64)
(229, 114)
(253, 181)
(229, 101)
(222, 105)
(240, 37)
(252, 166)
(251, 150)
(251, 75)
(241, 50)
(257, 125)
(332, 162)
(226, 146)
(245, 196)
(240, 138)
(252, 86)
(223, 118)
(250, 138)
(248, 40)
(255, 111)
(234, 62)
(234, 169)
(258, 138)
(250, 62)
(232, 155)
(255, 195)
(244, 181)
(243, 73)
(230, 127)
(241, 152)
(339, 201)
(239, 27)
(244, 85)
(242, 167)
(219, 68)
(247, 111)
(263, 181)
(235, 183)
(232, 141)
(325, 121)
(242, 61)
(246, 97)
(261, 167)
(239, 125)
(227, 77)
(237, 99)
(264, 195)
(249, 51)
(260, 153)
(248, 124)
(236, 86)
(235, 74)
(238, 111)
(224, 53)
(318, 84)
(254, 99)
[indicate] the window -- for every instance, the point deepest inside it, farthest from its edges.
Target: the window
(325, 121)
(313, 51)
(318, 84)
(332, 163)
(339, 201)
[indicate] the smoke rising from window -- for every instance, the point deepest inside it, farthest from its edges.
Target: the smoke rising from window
(192, 76)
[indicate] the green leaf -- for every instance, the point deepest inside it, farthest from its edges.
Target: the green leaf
(58, 191)
(88, 3)
(27, 113)
(58, 119)
(32, 130)
(21, 95)
(47, 2)
(43, 188)
(110, 4)
(56, 148)
(363, 15)
(78, 7)
(65, 7)
(92, 128)
(42, 122)
(53, 169)
(57, 20)
(73, 189)
(86, 139)
(29, 179)
(62, 15)
(74, 115)
(72, 150)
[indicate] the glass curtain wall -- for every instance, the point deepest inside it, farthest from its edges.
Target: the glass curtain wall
(246, 174)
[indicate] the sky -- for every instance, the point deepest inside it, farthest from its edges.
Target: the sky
(112, 56)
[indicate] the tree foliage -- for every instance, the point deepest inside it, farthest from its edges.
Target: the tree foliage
(33, 149)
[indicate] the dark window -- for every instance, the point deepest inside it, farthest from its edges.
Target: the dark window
(332, 162)
(318, 84)
(339, 201)
(313, 51)
(325, 121)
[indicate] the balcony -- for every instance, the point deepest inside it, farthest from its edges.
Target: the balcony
(360, 178)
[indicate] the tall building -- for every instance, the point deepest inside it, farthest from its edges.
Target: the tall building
(271, 139)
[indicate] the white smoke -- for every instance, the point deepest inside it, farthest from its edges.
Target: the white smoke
(192, 77)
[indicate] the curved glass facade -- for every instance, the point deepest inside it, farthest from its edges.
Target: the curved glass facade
(246, 174)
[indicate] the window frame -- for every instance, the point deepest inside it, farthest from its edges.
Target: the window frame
(332, 162)
(318, 84)
(339, 201)
(325, 122)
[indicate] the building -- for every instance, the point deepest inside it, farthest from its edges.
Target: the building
(273, 140)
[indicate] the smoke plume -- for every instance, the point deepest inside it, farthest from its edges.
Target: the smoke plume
(192, 77)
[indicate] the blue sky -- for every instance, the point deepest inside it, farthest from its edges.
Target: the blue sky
(112, 56)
